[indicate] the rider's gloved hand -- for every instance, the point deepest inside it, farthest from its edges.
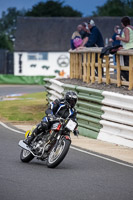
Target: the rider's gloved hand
(76, 132)
(51, 117)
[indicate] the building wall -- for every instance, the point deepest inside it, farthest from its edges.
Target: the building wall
(41, 63)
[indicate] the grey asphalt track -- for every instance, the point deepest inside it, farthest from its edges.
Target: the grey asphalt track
(79, 177)
(20, 89)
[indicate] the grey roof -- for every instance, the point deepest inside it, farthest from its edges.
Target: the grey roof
(54, 33)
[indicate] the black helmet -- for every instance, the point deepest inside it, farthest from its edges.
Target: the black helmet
(71, 98)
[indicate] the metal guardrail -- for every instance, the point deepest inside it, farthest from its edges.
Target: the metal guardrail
(116, 100)
(103, 115)
(88, 105)
(89, 109)
(117, 119)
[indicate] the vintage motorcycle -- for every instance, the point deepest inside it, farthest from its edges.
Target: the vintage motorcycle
(50, 146)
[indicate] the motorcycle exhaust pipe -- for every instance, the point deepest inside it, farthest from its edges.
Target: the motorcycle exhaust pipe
(23, 145)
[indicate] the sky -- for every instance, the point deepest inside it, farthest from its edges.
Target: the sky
(86, 7)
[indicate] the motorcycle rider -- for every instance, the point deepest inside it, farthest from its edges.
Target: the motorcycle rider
(63, 108)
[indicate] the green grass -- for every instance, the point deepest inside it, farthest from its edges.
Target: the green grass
(27, 108)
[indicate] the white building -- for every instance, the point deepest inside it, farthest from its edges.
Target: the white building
(41, 63)
(41, 47)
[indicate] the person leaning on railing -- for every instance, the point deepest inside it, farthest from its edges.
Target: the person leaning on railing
(127, 42)
(95, 39)
(117, 31)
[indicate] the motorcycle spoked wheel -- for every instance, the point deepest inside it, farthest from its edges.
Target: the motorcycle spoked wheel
(56, 157)
(26, 156)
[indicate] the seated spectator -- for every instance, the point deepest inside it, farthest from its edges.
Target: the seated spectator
(127, 41)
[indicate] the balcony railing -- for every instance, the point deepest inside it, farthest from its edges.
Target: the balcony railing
(85, 62)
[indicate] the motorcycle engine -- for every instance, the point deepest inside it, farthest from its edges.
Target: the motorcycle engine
(38, 146)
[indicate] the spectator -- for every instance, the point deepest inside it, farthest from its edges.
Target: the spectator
(127, 42)
(80, 37)
(95, 38)
(85, 32)
(77, 35)
(117, 31)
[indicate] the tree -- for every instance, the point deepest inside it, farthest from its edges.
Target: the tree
(52, 9)
(115, 8)
(5, 43)
(8, 27)
(48, 9)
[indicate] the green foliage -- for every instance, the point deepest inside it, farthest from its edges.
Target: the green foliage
(8, 27)
(48, 9)
(5, 42)
(115, 8)
(52, 9)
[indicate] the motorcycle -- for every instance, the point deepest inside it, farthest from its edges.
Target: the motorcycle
(52, 145)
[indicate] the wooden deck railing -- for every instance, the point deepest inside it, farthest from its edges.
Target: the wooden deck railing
(83, 64)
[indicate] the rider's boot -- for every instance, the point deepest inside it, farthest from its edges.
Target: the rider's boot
(35, 131)
(31, 135)
(29, 139)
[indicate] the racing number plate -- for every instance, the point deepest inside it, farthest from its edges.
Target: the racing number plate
(71, 125)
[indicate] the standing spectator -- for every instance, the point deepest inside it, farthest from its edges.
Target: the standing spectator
(95, 38)
(85, 33)
(76, 35)
(85, 30)
(127, 42)
(117, 31)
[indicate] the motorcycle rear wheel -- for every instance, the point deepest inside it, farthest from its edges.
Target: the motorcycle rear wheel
(26, 156)
(56, 156)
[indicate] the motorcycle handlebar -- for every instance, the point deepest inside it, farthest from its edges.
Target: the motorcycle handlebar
(56, 119)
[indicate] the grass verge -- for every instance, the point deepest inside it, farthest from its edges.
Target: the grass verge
(27, 108)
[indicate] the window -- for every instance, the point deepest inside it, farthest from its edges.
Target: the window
(38, 56)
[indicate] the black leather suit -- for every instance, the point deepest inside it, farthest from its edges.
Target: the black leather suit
(58, 108)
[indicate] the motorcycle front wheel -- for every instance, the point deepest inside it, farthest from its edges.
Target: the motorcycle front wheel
(57, 155)
(26, 156)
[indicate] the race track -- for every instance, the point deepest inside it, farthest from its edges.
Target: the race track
(79, 177)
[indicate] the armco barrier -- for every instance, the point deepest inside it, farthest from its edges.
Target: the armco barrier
(102, 115)
(54, 89)
(116, 133)
(117, 119)
(89, 110)
(117, 115)
(118, 100)
(88, 106)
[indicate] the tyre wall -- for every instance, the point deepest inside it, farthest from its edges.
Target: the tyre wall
(101, 115)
